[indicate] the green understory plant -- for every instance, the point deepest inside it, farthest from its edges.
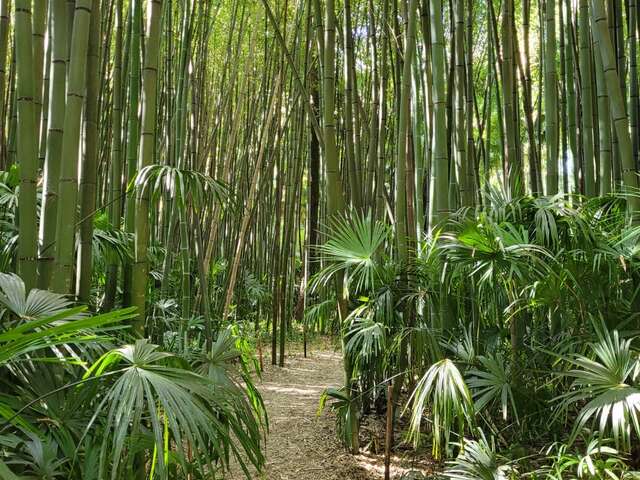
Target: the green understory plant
(605, 388)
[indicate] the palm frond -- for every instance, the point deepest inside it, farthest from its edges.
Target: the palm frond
(444, 392)
(493, 385)
(110, 244)
(606, 382)
(181, 185)
(35, 305)
(187, 407)
(351, 248)
(478, 460)
(365, 338)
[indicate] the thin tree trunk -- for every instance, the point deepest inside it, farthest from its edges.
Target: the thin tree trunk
(604, 128)
(139, 274)
(634, 103)
(402, 144)
(115, 192)
(90, 162)
(439, 203)
(4, 44)
(27, 148)
(586, 97)
(67, 187)
(551, 98)
(53, 153)
(617, 103)
(133, 133)
(512, 156)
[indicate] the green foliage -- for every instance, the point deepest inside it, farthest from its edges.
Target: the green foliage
(109, 243)
(443, 390)
(181, 185)
(478, 460)
(345, 409)
(509, 290)
(596, 461)
(351, 249)
(607, 381)
(9, 192)
(41, 459)
(491, 385)
(320, 314)
(37, 304)
(366, 339)
(62, 419)
(183, 408)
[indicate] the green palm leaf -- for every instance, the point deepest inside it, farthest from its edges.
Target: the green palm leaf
(37, 304)
(62, 328)
(351, 248)
(182, 408)
(49, 331)
(443, 390)
(478, 461)
(492, 385)
(181, 184)
(366, 338)
(607, 383)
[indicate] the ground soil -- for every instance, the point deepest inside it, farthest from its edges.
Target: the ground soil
(302, 444)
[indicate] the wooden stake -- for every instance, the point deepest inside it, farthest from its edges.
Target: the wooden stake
(389, 434)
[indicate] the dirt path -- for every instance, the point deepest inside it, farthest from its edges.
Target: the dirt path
(302, 445)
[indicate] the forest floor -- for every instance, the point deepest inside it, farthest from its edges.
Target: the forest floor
(302, 445)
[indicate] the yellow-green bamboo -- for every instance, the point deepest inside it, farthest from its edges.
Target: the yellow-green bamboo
(551, 98)
(26, 144)
(88, 167)
(53, 153)
(63, 270)
(140, 269)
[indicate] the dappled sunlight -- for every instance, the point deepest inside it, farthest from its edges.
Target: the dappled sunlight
(319, 239)
(289, 390)
(374, 465)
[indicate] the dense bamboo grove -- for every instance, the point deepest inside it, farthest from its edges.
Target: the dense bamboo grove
(447, 187)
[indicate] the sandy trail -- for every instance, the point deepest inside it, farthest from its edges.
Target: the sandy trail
(302, 445)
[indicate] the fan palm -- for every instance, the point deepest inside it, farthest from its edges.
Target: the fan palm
(366, 339)
(183, 188)
(40, 459)
(228, 364)
(33, 335)
(36, 304)
(8, 209)
(492, 385)
(496, 254)
(9, 184)
(442, 389)
(608, 383)
(346, 411)
(351, 248)
(180, 184)
(497, 262)
(109, 243)
(478, 461)
(183, 409)
(319, 315)
(43, 326)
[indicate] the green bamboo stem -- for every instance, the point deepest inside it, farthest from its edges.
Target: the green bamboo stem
(66, 218)
(26, 146)
(88, 169)
(140, 268)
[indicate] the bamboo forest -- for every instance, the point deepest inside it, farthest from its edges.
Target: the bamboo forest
(319, 239)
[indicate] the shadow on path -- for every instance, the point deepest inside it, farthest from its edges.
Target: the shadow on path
(302, 445)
